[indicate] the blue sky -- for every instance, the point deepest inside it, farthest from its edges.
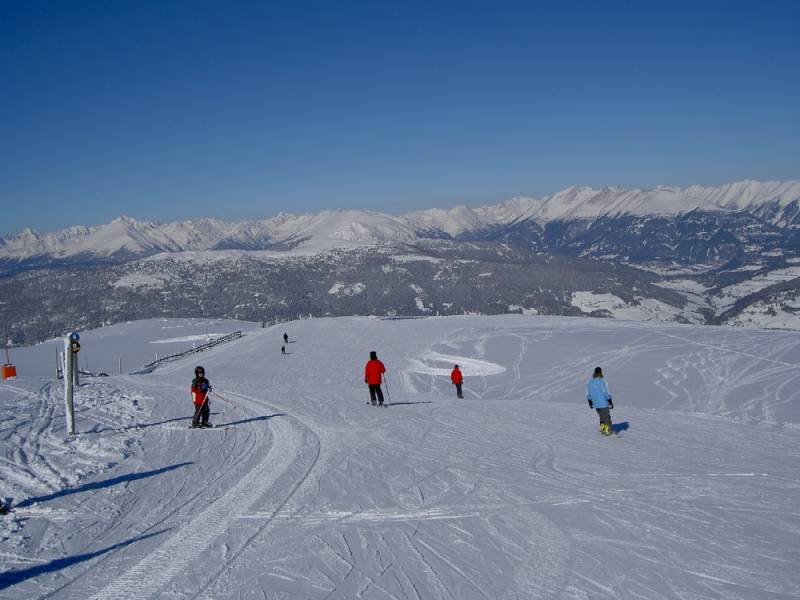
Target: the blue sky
(174, 110)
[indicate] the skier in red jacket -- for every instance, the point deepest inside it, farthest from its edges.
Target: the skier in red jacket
(373, 371)
(200, 391)
(457, 378)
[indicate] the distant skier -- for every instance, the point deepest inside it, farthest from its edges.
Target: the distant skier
(457, 378)
(200, 390)
(599, 398)
(283, 349)
(373, 372)
(285, 338)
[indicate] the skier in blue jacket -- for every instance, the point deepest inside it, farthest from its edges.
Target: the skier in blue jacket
(599, 398)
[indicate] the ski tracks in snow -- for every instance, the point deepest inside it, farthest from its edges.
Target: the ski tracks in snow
(153, 576)
(511, 494)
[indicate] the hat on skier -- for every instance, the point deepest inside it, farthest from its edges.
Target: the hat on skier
(598, 372)
(373, 355)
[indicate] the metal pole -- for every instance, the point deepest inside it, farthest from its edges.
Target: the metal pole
(120, 366)
(75, 370)
(68, 366)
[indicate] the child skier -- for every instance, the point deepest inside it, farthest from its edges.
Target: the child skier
(457, 378)
(599, 398)
(200, 391)
(372, 377)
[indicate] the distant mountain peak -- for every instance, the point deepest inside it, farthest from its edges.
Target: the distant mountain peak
(344, 228)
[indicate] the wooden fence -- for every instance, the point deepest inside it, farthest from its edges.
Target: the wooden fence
(149, 367)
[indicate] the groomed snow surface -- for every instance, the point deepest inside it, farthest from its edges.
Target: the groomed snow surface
(304, 491)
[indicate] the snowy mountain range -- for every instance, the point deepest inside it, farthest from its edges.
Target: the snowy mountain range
(773, 203)
(726, 256)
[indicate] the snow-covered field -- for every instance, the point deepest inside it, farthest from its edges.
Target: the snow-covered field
(646, 309)
(730, 294)
(307, 492)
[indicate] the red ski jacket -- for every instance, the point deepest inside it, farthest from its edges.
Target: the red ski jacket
(373, 371)
(456, 376)
(200, 389)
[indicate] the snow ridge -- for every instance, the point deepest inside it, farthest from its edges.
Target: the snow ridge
(317, 232)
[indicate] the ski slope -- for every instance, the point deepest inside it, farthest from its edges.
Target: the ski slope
(304, 491)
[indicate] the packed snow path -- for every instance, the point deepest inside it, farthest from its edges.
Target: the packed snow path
(308, 492)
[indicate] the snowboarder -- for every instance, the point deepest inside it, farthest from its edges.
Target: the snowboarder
(200, 391)
(599, 398)
(285, 338)
(457, 378)
(283, 349)
(373, 371)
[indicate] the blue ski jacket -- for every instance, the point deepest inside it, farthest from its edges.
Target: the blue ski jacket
(597, 392)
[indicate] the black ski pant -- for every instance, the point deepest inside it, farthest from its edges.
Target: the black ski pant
(605, 415)
(375, 390)
(458, 390)
(201, 414)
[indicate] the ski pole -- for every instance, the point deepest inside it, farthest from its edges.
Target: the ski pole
(198, 408)
(224, 399)
(386, 385)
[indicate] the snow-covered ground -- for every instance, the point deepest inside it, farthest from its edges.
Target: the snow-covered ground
(781, 311)
(646, 309)
(778, 312)
(307, 492)
(730, 294)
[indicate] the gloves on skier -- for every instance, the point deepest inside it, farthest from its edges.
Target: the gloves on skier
(365, 381)
(590, 403)
(610, 403)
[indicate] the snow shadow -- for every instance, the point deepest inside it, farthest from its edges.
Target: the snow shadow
(252, 419)
(10, 578)
(617, 427)
(404, 403)
(98, 485)
(157, 423)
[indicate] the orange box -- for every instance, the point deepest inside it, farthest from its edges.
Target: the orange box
(9, 371)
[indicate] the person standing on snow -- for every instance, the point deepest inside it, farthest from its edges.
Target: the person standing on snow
(599, 398)
(200, 390)
(457, 378)
(285, 338)
(373, 371)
